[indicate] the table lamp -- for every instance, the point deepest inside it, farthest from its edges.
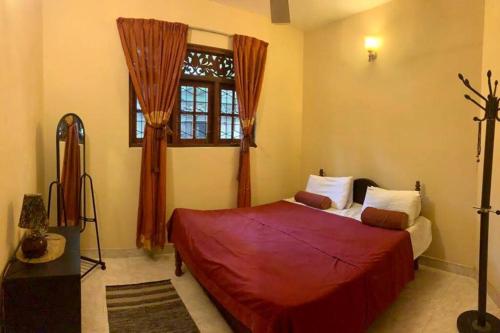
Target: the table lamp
(34, 218)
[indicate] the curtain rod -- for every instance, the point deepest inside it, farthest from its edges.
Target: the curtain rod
(211, 31)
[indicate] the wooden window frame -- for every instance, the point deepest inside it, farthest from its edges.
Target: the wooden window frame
(133, 141)
(215, 85)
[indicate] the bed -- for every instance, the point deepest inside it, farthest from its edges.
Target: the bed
(284, 267)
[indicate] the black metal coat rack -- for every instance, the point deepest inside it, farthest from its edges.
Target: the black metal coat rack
(85, 179)
(479, 320)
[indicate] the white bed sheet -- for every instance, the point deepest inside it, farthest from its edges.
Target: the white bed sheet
(420, 232)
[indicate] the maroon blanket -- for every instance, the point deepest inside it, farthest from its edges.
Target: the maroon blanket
(284, 267)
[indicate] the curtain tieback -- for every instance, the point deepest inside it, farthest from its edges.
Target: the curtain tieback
(247, 122)
(160, 133)
(246, 141)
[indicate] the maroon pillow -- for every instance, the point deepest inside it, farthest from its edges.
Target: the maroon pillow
(382, 218)
(313, 200)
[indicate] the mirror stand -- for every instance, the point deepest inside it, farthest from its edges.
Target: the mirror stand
(72, 203)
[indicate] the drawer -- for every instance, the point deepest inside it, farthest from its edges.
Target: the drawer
(43, 293)
(53, 320)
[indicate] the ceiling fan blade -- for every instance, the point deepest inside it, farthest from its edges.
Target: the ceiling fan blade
(280, 13)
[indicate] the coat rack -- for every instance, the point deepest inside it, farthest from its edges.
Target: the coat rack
(479, 320)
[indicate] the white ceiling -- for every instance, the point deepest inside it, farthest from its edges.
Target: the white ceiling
(309, 14)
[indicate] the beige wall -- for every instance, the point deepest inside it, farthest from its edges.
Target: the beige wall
(396, 120)
(85, 73)
(412, 83)
(20, 100)
(403, 117)
(491, 55)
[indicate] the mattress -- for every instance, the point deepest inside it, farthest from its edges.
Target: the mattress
(420, 232)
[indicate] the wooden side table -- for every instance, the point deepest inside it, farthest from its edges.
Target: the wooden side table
(45, 298)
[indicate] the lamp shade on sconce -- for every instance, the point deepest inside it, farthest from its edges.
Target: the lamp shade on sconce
(372, 44)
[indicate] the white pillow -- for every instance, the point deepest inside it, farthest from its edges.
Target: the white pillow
(339, 189)
(408, 202)
(350, 198)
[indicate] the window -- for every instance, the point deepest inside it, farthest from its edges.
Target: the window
(206, 112)
(229, 119)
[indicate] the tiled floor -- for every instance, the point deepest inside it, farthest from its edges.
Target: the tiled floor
(429, 304)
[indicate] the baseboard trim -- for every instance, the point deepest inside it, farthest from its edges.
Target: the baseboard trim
(448, 266)
(460, 270)
(125, 253)
(494, 294)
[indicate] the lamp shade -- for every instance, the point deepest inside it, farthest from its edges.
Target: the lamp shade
(372, 43)
(33, 215)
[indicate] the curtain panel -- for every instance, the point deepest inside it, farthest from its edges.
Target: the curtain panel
(249, 63)
(154, 51)
(70, 179)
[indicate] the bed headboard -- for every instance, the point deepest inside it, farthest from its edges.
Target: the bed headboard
(361, 184)
(359, 189)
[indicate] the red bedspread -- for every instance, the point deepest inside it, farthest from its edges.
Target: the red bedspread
(284, 267)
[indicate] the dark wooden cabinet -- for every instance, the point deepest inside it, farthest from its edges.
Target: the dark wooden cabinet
(45, 298)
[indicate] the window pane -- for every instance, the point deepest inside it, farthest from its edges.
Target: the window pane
(139, 125)
(137, 104)
(186, 126)
(236, 106)
(187, 99)
(226, 108)
(226, 100)
(186, 106)
(201, 99)
(201, 107)
(201, 127)
(237, 129)
(187, 93)
(202, 94)
(225, 127)
(227, 96)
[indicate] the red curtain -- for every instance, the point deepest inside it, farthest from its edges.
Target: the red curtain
(154, 51)
(249, 63)
(70, 179)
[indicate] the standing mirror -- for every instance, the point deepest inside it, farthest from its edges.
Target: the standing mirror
(70, 156)
(73, 184)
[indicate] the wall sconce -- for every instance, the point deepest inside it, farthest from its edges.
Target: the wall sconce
(372, 45)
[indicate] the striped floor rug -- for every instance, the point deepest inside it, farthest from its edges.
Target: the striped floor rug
(147, 307)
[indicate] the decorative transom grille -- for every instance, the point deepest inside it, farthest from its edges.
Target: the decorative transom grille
(208, 65)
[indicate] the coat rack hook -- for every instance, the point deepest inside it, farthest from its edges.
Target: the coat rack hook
(467, 84)
(489, 82)
(473, 101)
